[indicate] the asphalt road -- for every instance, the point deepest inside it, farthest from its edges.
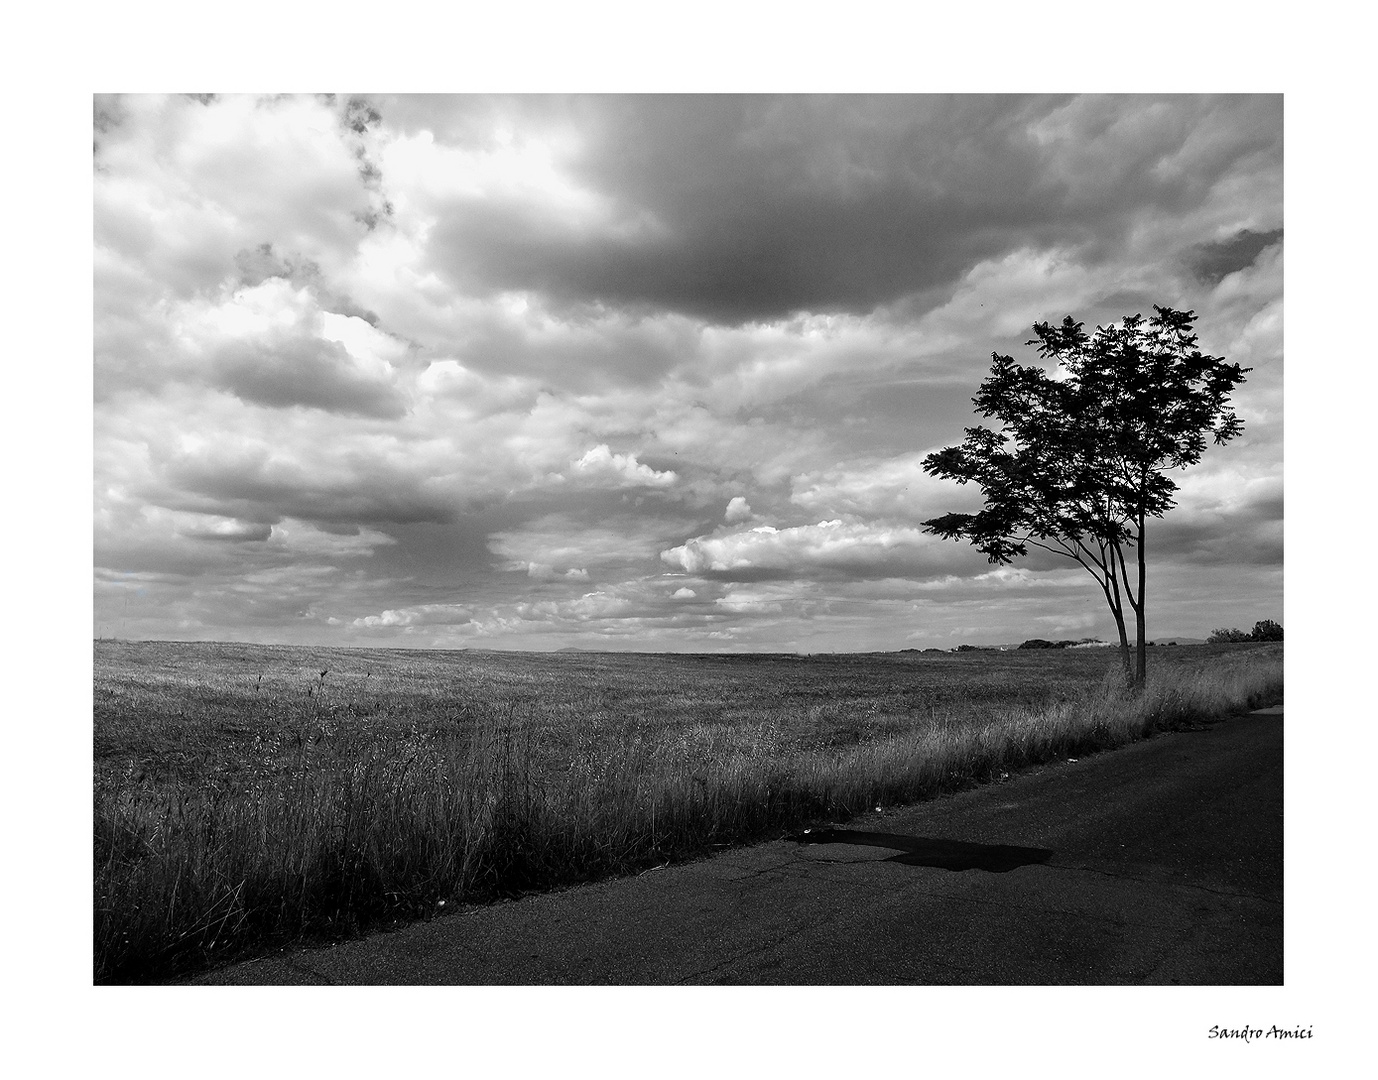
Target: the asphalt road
(1159, 863)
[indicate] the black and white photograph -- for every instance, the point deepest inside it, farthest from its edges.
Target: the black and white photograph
(496, 494)
(751, 541)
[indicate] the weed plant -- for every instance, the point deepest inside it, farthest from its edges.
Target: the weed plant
(249, 797)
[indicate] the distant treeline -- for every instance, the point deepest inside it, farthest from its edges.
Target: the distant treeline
(1032, 643)
(1264, 630)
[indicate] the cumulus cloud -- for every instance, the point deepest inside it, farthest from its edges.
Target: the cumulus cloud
(585, 535)
(410, 619)
(859, 548)
(1223, 516)
(306, 372)
(546, 572)
(185, 185)
(601, 465)
(255, 478)
(894, 488)
(738, 509)
(257, 265)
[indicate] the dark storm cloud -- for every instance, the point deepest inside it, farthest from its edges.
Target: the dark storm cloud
(743, 208)
(1249, 535)
(309, 372)
(1213, 262)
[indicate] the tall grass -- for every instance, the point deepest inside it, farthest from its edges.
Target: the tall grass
(332, 828)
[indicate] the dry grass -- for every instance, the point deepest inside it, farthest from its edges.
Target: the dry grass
(245, 797)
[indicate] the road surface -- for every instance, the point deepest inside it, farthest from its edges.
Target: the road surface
(1157, 863)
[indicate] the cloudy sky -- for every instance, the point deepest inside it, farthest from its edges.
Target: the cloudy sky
(649, 373)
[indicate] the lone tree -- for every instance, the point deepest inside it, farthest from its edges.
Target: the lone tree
(1080, 461)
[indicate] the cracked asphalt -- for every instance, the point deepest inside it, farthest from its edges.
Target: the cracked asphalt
(1159, 863)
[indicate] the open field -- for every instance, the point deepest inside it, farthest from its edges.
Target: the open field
(247, 796)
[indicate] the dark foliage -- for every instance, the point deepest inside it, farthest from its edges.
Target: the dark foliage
(1079, 461)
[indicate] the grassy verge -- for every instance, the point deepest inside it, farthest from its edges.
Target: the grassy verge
(325, 822)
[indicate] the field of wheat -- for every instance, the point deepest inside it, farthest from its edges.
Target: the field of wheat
(248, 796)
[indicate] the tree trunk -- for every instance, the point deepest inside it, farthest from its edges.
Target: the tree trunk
(1141, 656)
(1113, 598)
(1124, 645)
(1141, 666)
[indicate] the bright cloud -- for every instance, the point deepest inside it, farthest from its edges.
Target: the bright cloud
(895, 488)
(623, 470)
(738, 509)
(862, 548)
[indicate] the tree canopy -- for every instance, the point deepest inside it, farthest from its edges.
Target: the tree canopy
(1264, 630)
(1081, 457)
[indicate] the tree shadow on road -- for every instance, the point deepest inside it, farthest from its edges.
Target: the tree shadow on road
(924, 851)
